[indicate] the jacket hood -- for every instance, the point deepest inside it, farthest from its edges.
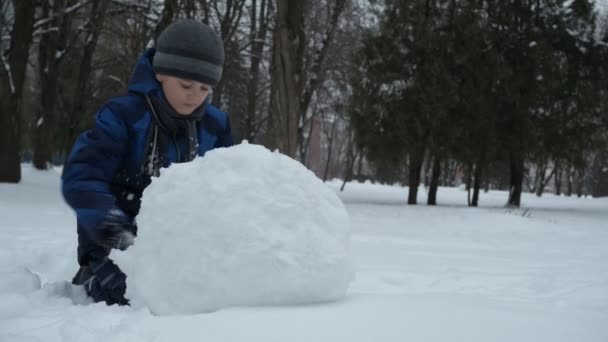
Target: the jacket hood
(143, 79)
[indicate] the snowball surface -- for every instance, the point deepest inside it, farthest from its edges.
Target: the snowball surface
(240, 226)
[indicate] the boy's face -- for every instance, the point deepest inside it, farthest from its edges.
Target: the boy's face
(183, 95)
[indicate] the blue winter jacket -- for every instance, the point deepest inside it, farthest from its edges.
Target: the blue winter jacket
(106, 168)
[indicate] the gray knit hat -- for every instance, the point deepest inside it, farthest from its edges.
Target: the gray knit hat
(190, 49)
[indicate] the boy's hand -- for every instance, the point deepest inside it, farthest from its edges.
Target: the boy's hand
(103, 281)
(116, 231)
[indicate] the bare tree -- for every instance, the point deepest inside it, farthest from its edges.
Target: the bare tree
(92, 30)
(228, 14)
(170, 9)
(351, 157)
(434, 183)
(299, 68)
(259, 24)
(53, 46)
(86, 51)
(338, 34)
(12, 77)
(287, 76)
(316, 73)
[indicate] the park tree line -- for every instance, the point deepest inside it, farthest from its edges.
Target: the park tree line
(62, 59)
(511, 92)
(493, 94)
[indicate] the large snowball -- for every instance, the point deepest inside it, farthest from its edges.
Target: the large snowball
(240, 226)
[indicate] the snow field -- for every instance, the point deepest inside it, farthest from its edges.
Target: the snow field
(445, 273)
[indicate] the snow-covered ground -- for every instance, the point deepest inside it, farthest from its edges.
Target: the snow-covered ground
(445, 273)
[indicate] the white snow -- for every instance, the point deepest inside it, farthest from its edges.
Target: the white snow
(241, 226)
(444, 273)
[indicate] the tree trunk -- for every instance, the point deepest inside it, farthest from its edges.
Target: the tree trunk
(569, 180)
(257, 39)
(360, 164)
(540, 178)
(580, 175)
(517, 177)
(52, 47)
(330, 146)
(426, 171)
(434, 182)
(544, 181)
(444, 173)
(286, 75)
(469, 181)
(229, 22)
(97, 16)
(415, 167)
(170, 9)
(350, 163)
(476, 184)
(11, 89)
(304, 144)
(317, 70)
(454, 170)
(558, 179)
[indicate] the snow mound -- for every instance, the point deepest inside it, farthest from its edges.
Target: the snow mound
(241, 226)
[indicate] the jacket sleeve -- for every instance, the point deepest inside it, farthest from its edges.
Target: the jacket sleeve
(225, 136)
(95, 158)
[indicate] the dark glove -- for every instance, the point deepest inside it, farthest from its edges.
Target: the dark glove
(103, 281)
(116, 231)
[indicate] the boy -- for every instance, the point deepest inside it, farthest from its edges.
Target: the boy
(165, 118)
